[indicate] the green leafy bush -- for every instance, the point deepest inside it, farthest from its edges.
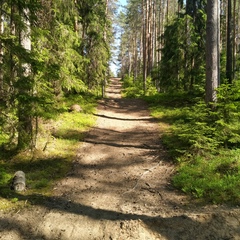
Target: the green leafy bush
(134, 87)
(204, 141)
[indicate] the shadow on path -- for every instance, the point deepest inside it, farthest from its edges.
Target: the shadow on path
(143, 146)
(147, 119)
(169, 224)
(211, 226)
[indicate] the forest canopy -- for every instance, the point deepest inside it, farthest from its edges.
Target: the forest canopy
(49, 49)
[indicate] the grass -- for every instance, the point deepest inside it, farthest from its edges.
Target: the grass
(58, 140)
(215, 179)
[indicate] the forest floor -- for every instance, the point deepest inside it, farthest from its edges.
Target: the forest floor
(119, 188)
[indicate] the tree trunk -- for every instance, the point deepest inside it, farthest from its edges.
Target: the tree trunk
(212, 50)
(105, 39)
(229, 63)
(144, 44)
(1, 51)
(234, 38)
(149, 36)
(25, 128)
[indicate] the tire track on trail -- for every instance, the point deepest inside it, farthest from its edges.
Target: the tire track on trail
(119, 188)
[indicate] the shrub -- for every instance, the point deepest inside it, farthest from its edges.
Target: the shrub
(134, 87)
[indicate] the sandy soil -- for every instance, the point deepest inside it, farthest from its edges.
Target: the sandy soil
(119, 188)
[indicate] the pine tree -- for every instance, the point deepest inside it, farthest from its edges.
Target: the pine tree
(212, 51)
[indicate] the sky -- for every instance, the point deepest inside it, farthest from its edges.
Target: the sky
(113, 67)
(122, 2)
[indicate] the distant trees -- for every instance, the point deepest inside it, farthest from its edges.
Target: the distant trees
(172, 40)
(48, 49)
(94, 24)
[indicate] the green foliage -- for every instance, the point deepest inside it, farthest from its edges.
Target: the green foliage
(96, 38)
(69, 54)
(215, 178)
(182, 67)
(71, 125)
(228, 116)
(8, 125)
(134, 88)
(205, 141)
(201, 128)
(5, 176)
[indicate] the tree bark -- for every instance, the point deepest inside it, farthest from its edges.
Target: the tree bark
(212, 50)
(229, 63)
(234, 38)
(144, 44)
(1, 51)
(25, 128)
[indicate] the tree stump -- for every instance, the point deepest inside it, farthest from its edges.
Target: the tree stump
(19, 181)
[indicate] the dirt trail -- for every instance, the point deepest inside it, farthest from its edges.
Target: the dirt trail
(119, 188)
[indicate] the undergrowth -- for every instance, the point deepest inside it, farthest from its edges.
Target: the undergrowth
(133, 88)
(204, 142)
(58, 140)
(213, 177)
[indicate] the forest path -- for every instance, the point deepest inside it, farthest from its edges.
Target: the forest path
(119, 188)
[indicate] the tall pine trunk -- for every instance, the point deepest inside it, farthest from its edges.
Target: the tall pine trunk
(212, 50)
(1, 51)
(229, 63)
(144, 42)
(25, 128)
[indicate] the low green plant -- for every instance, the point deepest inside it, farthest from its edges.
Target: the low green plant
(133, 88)
(215, 178)
(204, 141)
